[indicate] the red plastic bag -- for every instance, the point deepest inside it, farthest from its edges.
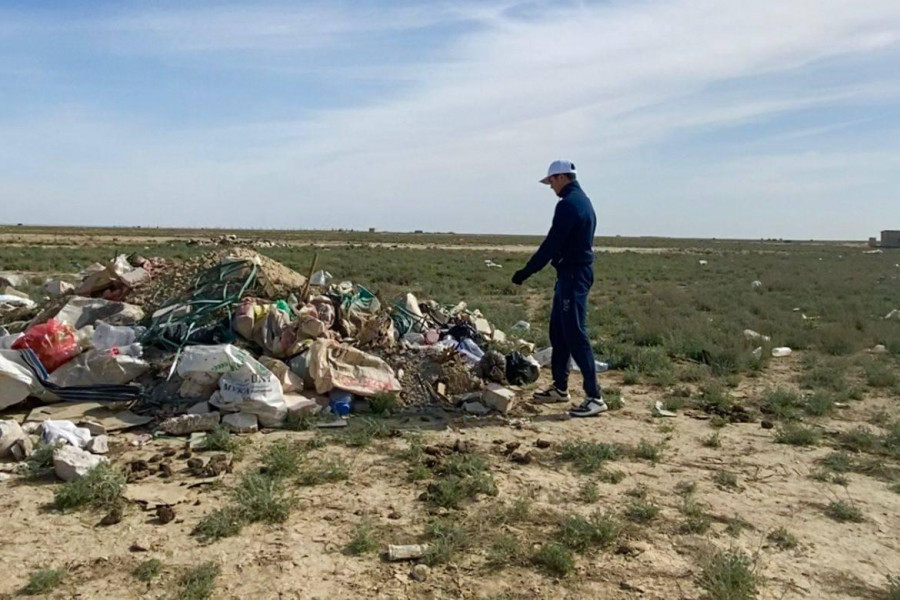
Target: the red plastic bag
(53, 342)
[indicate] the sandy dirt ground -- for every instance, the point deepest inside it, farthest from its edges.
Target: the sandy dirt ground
(303, 558)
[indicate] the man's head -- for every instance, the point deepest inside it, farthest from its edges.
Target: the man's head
(559, 174)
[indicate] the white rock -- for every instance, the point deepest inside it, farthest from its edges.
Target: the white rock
(879, 349)
(241, 423)
(420, 572)
(780, 352)
(185, 424)
(11, 435)
(71, 463)
(499, 398)
(32, 427)
(99, 445)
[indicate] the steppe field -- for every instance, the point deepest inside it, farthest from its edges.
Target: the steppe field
(777, 478)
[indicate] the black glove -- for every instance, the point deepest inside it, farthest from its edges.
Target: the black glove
(519, 277)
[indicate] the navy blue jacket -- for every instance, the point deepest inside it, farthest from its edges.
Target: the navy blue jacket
(571, 238)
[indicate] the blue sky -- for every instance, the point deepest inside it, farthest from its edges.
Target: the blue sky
(685, 117)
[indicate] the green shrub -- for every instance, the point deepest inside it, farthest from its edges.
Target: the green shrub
(729, 575)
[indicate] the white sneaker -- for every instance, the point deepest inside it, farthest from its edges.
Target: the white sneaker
(591, 407)
(551, 396)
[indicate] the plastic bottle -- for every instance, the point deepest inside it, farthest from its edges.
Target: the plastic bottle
(110, 336)
(340, 402)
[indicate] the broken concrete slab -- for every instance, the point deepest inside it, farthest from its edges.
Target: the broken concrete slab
(475, 407)
(108, 414)
(299, 405)
(241, 423)
(499, 398)
(201, 408)
(92, 426)
(71, 463)
(185, 424)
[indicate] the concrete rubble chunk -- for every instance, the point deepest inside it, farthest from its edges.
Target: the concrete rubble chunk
(499, 398)
(241, 423)
(99, 445)
(185, 424)
(71, 463)
(14, 441)
(201, 408)
(299, 405)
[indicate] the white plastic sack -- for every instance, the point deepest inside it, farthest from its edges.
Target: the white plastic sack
(16, 380)
(16, 301)
(66, 431)
(321, 278)
(245, 385)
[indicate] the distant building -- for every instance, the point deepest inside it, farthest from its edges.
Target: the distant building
(890, 239)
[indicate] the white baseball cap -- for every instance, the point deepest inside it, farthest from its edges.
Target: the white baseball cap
(559, 167)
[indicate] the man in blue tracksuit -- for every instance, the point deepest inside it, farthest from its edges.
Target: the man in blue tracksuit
(569, 248)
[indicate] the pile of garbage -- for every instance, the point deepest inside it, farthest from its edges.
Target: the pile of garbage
(232, 339)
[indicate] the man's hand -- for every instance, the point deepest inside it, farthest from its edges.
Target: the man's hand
(519, 277)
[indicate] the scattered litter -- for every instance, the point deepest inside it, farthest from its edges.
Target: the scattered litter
(321, 278)
(894, 314)
(757, 352)
(410, 552)
(756, 284)
(65, 431)
(12, 301)
(879, 349)
(522, 326)
(492, 265)
(53, 342)
(703, 263)
(753, 335)
(660, 410)
(781, 352)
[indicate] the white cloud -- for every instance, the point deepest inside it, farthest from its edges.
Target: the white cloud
(463, 146)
